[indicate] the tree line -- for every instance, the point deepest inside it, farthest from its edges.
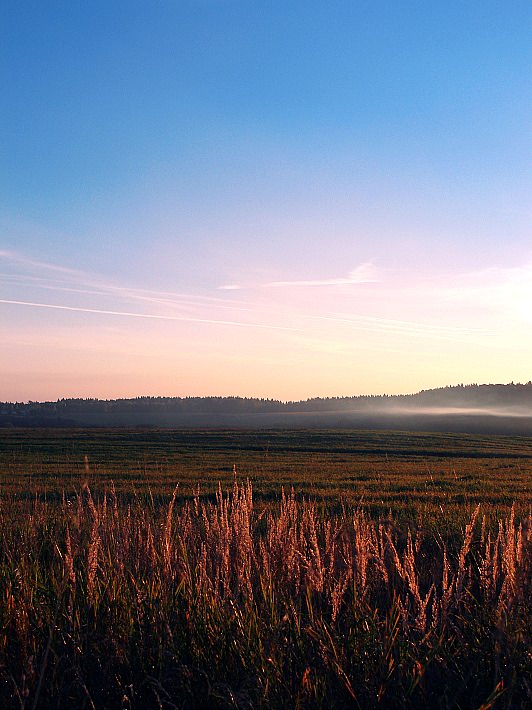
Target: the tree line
(461, 396)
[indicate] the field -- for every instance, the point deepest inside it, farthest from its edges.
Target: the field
(191, 569)
(441, 477)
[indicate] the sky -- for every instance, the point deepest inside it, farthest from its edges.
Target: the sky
(280, 199)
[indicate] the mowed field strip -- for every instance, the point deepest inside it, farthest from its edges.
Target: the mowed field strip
(438, 475)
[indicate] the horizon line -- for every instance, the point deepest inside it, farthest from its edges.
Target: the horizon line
(274, 399)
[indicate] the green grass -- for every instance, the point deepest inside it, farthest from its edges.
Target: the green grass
(442, 476)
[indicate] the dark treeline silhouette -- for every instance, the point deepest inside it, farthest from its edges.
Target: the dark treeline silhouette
(509, 399)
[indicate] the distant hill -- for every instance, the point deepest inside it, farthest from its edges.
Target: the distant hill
(476, 408)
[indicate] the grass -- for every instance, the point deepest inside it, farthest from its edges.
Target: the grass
(388, 577)
(441, 475)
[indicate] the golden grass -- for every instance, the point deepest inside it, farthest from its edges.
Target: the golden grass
(107, 602)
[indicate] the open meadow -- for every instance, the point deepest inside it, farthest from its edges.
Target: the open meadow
(264, 569)
(441, 477)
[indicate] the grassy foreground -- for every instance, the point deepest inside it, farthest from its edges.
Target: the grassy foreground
(214, 604)
(396, 574)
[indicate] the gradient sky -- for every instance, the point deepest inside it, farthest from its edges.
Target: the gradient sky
(274, 199)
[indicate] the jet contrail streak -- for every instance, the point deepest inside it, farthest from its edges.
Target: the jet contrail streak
(386, 325)
(125, 292)
(128, 294)
(397, 326)
(152, 316)
(129, 314)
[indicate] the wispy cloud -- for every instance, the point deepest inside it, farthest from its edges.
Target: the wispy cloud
(399, 327)
(365, 273)
(38, 274)
(150, 316)
(30, 264)
(279, 313)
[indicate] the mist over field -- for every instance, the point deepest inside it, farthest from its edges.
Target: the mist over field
(385, 419)
(475, 409)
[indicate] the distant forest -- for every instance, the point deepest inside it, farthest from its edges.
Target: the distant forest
(513, 399)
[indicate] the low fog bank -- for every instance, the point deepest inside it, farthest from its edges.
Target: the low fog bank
(519, 412)
(475, 409)
(385, 419)
(468, 421)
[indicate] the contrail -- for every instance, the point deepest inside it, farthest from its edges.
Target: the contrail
(387, 324)
(125, 294)
(154, 316)
(23, 261)
(74, 281)
(180, 299)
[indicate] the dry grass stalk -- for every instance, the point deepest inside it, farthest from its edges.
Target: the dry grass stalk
(290, 569)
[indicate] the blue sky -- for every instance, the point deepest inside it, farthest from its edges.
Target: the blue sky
(269, 165)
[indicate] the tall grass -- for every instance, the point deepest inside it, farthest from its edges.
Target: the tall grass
(111, 603)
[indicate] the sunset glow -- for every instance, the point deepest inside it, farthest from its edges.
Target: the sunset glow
(212, 198)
